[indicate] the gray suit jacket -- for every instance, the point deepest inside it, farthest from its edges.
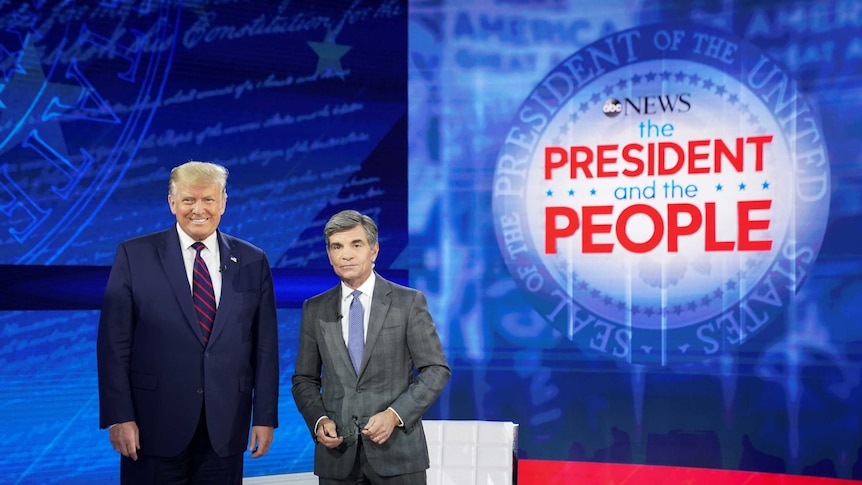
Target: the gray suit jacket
(401, 338)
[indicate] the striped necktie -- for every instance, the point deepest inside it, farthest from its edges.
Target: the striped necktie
(202, 291)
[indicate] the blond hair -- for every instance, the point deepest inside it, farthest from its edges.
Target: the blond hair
(198, 173)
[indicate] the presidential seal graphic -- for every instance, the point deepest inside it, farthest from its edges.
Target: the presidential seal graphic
(662, 194)
(79, 83)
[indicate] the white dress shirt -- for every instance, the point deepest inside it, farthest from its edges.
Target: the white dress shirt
(367, 289)
(210, 256)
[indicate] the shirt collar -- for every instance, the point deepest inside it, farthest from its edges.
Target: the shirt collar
(367, 288)
(186, 241)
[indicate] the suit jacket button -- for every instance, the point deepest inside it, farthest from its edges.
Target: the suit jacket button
(200, 390)
(359, 389)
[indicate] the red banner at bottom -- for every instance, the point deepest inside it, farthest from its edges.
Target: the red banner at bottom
(539, 472)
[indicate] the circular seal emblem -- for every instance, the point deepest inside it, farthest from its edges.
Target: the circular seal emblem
(79, 83)
(662, 194)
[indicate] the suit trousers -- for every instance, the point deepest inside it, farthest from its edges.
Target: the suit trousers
(363, 474)
(198, 464)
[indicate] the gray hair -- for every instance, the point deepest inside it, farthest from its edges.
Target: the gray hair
(198, 173)
(348, 219)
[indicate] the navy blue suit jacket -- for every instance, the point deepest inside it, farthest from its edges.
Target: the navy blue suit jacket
(154, 367)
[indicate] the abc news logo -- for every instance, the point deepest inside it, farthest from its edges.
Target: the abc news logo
(648, 105)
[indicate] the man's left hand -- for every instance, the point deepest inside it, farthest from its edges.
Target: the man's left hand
(380, 426)
(261, 438)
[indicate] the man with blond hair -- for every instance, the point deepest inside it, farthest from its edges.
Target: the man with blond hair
(187, 346)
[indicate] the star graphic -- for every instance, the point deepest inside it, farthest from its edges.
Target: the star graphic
(329, 56)
(9, 63)
(23, 26)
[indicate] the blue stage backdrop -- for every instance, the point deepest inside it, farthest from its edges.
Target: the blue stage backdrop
(636, 222)
(305, 102)
(642, 237)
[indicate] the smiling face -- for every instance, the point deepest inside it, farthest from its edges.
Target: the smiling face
(198, 208)
(351, 256)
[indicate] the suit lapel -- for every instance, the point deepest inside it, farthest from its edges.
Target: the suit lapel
(330, 326)
(174, 267)
(229, 267)
(380, 303)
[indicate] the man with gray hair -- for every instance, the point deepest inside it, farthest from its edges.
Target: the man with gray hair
(187, 346)
(369, 364)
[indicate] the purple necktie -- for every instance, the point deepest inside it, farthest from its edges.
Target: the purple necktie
(202, 291)
(356, 331)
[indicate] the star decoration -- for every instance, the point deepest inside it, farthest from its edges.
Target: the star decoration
(329, 56)
(23, 26)
(9, 63)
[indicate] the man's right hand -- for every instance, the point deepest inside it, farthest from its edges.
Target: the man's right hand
(126, 439)
(327, 435)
